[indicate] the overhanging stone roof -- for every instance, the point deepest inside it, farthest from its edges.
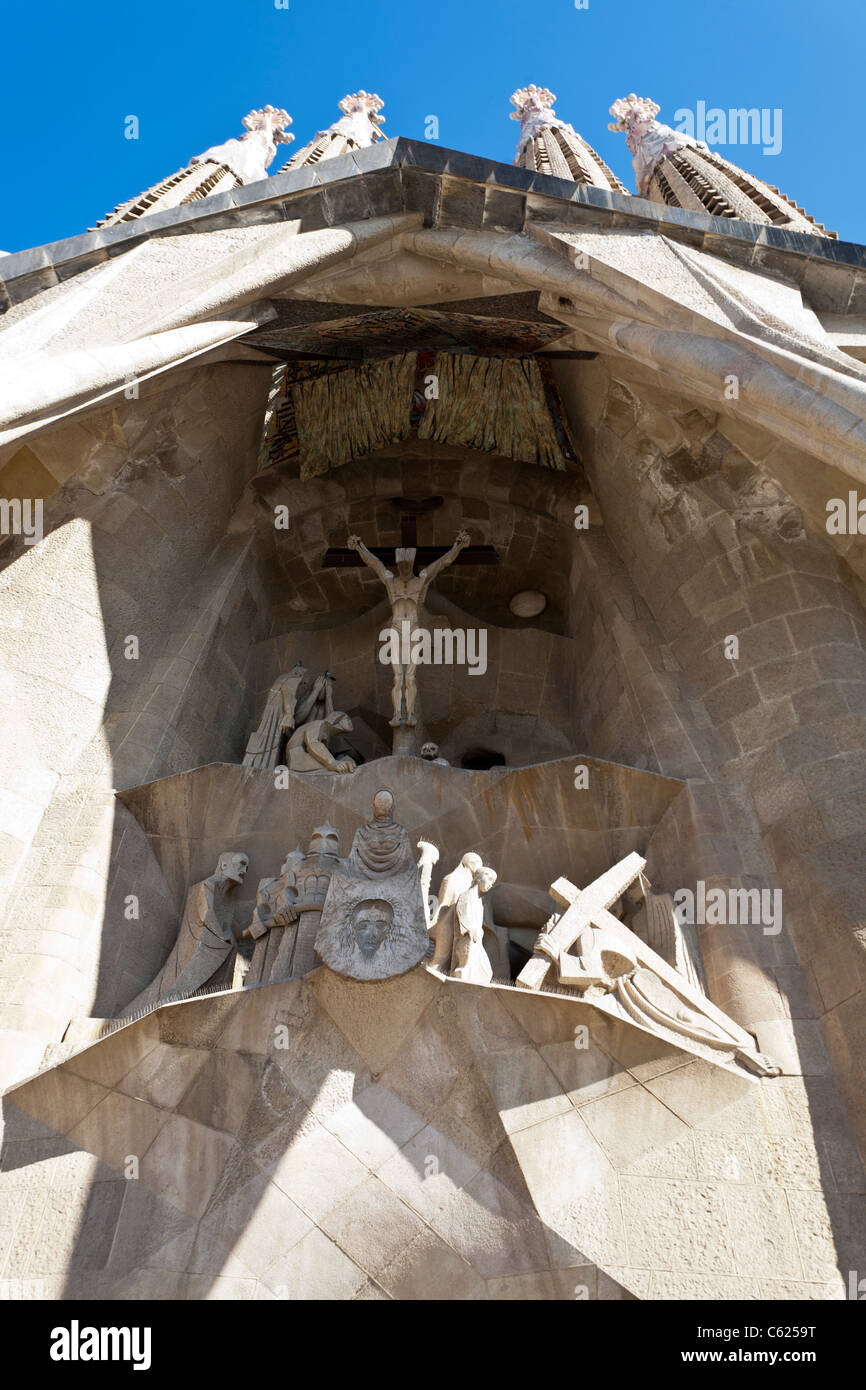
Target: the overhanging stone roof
(451, 189)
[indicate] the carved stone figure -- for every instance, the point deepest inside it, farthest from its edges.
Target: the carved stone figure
(373, 920)
(382, 846)
(293, 699)
(292, 902)
(601, 958)
(307, 749)
(428, 857)
(469, 961)
(430, 754)
(406, 592)
(652, 1003)
(206, 942)
(275, 908)
(655, 922)
(312, 878)
(442, 923)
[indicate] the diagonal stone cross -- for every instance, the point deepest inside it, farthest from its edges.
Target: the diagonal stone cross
(583, 908)
(589, 907)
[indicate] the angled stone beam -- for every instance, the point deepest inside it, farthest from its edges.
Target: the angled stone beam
(31, 398)
(272, 264)
(208, 309)
(798, 400)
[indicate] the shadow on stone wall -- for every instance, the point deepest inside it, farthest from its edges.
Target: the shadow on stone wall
(420, 1139)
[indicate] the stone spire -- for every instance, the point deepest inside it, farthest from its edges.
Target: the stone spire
(551, 146)
(218, 169)
(357, 128)
(670, 167)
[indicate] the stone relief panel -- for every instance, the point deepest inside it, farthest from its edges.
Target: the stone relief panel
(373, 919)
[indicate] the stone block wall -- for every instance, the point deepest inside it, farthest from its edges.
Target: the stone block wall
(135, 544)
(717, 548)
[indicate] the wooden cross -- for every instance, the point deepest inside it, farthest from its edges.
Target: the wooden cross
(339, 557)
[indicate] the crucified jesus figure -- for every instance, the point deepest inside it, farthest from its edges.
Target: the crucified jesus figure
(407, 592)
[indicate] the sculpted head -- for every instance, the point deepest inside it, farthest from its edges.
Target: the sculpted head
(340, 723)
(405, 557)
(383, 804)
(473, 862)
(430, 751)
(484, 879)
(325, 840)
(232, 866)
(372, 919)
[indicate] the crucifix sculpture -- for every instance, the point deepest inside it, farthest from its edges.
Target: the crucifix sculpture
(406, 586)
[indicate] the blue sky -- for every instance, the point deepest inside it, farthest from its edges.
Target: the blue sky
(190, 69)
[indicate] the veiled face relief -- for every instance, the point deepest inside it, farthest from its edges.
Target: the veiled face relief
(371, 923)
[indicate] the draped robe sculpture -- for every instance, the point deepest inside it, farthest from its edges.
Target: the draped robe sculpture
(293, 700)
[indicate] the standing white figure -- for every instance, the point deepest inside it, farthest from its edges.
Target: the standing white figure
(427, 858)
(442, 922)
(470, 961)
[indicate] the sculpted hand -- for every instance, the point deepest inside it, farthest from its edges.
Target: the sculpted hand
(463, 539)
(353, 542)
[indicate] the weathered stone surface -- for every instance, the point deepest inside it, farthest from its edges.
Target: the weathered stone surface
(244, 1191)
(373, 923)
(339, 1139)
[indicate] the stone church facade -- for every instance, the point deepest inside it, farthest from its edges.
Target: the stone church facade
(433, 659)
